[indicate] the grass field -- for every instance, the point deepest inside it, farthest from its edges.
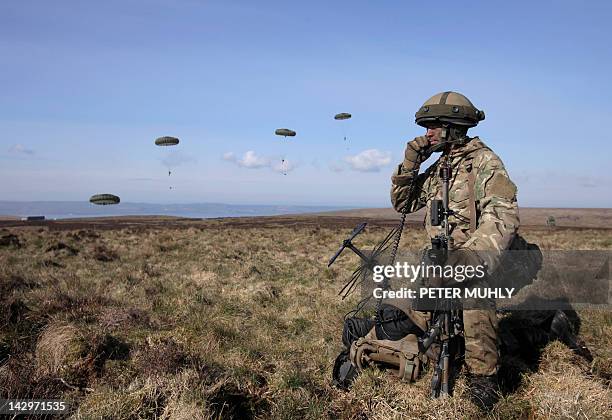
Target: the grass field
(233, 319)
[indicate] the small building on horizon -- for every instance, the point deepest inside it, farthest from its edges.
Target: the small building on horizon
(32, 218)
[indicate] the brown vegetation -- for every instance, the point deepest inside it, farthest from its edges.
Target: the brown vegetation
(235, 318)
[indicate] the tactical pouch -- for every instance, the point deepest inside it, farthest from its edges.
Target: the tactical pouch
(400, 357)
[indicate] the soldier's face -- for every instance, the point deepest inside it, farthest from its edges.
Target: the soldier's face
(434, 135)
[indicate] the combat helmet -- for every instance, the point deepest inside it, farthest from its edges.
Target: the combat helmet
(450, 108)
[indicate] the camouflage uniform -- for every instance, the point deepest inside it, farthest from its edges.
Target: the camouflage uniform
(494, 217)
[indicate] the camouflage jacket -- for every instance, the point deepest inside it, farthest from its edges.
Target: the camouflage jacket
(497, 217)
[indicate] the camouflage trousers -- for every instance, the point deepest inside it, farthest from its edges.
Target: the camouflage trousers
(480, 332)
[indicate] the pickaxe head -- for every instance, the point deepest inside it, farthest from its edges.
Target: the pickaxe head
(347, 242)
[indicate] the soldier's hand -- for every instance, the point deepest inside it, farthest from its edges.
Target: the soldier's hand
(417, 151)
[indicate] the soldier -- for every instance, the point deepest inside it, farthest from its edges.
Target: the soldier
(484, 221)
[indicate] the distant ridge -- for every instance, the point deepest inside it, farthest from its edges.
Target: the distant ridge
(79, 209)
(530, 216)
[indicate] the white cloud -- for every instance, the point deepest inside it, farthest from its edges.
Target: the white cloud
(249, 160)
(371, 160)
(20, 148)
(252, 160)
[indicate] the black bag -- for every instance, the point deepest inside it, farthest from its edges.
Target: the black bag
(344, 372)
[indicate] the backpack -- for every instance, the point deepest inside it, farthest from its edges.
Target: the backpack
(400, 357)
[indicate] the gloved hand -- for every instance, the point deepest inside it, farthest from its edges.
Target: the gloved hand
(416, 153)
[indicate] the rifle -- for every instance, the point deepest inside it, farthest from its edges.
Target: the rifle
(444, 339)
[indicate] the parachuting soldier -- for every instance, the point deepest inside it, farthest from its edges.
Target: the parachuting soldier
(166, 141)
(484, 217)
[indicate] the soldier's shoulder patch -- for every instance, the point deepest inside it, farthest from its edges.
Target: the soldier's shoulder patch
(501, 186)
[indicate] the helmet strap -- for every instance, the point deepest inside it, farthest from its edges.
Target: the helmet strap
(449, 136)
(444, 140)
(444, 134)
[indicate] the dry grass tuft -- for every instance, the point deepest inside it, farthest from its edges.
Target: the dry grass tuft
(561, 390)
(113, 318)
(58, 349)
(162, 356)
(11, 282)
(103, 254)
(60, 248)
(13, 312)
(18, 379)
(75, 358)
(84, 235)
(203, 278)
(180, 396)
(261, 292)
(10, 240)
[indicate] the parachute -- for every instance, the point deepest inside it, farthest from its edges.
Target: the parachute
(340, 117)
(284, 132)
(166, 141)
(104, 199)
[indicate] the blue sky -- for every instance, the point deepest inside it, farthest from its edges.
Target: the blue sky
(88, 86)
